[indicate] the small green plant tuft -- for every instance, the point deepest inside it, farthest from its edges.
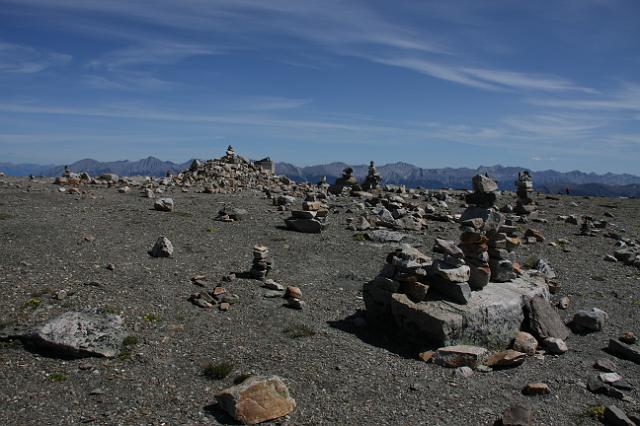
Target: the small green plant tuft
(359, 237)
(218, 371)
(211, 229)
(241, 378)
(57, 377)
(5, 216)
(596, 411)
(109, 309)
(130, 341)
(297, 331)
(32, 303)
(150, 317)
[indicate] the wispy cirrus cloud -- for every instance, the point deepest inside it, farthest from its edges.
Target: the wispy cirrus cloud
(625, 99)
(345, 28)
(21, 59)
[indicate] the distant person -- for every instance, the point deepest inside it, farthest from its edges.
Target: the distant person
(567, 190)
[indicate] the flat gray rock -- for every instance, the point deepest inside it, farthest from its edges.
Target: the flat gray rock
(382, 236)
(80, 334)
(307, 226)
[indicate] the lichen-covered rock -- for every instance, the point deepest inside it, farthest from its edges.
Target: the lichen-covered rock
(80, 334)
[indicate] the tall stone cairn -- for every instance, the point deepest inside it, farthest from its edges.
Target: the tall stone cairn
(524, 188)
(262, 264)
(487, 244)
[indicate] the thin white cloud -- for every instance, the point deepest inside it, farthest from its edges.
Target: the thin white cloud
(21, 59)
(341, 27)
(625, 99)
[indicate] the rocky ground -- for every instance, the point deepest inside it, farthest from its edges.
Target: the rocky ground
(55, 248)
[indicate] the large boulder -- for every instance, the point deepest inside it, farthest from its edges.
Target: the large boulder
(257, 400)
(491, 318)
(80, 334)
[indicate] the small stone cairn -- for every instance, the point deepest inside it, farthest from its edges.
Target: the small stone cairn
(487, 243)
(311, 219)
(348, 180)
(524, 185)
(373, 179)
(262, 264)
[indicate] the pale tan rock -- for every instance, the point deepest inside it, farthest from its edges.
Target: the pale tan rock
(257, 400)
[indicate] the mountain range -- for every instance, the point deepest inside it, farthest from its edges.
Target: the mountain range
(548, 181)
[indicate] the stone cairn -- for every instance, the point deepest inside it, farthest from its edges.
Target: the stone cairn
(311, 219)
(230, 173)
(262, 264)
(487, 243)
(323, 185)
(373, 179)
(524, 185)
(348, 180)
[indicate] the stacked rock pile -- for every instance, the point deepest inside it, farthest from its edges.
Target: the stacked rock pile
(312, 219)
(227, 174)
(347, 181)
(373, 179)
(486, 240)
(262, 264)
(524, 185)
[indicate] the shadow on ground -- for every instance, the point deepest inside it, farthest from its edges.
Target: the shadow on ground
(387, 339)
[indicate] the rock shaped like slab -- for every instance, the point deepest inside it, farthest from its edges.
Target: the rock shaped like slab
(80, 334)
(307, 226)
(459, 356)
(257, 400)
(457, 292)
(544, 320)
(383, 236)
(492, 317)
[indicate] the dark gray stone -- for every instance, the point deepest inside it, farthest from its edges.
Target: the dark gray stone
(587, 320)
(624, 351)
(544, 320)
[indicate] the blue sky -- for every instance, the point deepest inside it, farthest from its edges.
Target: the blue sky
(545, 84)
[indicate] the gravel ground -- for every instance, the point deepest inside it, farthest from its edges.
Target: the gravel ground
(342, 375)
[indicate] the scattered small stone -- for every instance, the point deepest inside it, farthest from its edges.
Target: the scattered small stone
(272, 285)
(517, 415)
(164, 204)
(505, 359)
(629, 338)
(426, 356)
(200, 280)
(162, 248)
(609, 378)
(536, 389)
(525, 343)
(224, 306)
(587, 320)
(606, 365)
(464, 372)
(295, 303)
(111, 267)
(564, 302)
(555, 346)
